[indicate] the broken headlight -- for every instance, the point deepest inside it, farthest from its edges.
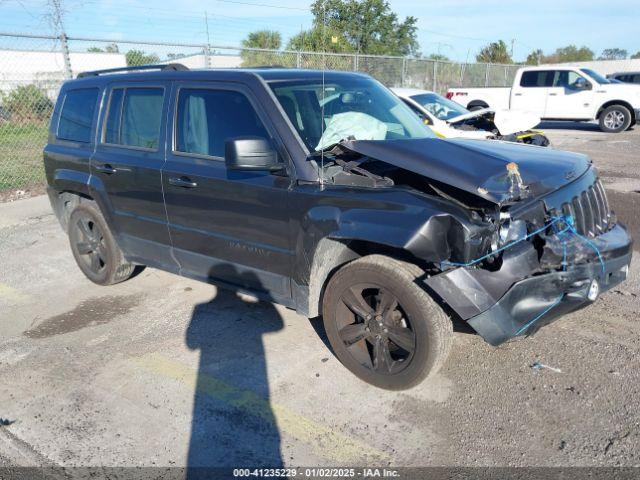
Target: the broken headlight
(512, 231)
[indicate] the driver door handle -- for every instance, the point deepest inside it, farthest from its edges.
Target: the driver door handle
(184, 182)
(106, 168)
(553, 94)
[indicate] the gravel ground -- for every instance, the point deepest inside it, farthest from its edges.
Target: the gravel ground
(161, 370)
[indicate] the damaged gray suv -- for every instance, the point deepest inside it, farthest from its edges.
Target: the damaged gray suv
(325, 193)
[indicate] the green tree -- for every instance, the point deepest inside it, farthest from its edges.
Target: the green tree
(138, 57)
(268, 39)
(613, 54)
(635, 56)
(495, 52)
(437, 56)
(111, 48)
(27, 104)
(265, 39)
(319, 39)
(570, 53)
(535, 58)
(363, 26)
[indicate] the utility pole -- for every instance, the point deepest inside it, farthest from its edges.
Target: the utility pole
(207, 48)
(300, 48)
(513, 41)
(58, 26)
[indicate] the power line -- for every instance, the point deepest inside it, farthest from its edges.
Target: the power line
(263, 5)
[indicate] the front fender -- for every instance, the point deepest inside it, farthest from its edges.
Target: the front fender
(430, 234)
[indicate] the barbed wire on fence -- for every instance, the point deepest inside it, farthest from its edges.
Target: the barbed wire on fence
(33, 67)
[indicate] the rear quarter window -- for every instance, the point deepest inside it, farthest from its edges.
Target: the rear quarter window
(76, 117)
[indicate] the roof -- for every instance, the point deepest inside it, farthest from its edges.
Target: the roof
(225, 74)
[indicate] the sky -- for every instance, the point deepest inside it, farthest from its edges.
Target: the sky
(455, 28)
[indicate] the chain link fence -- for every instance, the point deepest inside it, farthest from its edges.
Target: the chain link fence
(32, 68)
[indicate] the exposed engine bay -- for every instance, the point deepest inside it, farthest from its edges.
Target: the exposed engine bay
(521, 243)
(485, 121)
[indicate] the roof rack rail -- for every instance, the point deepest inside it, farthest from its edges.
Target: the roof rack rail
(176, 67)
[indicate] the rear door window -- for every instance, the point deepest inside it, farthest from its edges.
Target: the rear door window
(537, 78)
(207, 118)
(134, 117)
(77, 113)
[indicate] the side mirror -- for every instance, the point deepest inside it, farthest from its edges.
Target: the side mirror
(250, 153)
(581, 84)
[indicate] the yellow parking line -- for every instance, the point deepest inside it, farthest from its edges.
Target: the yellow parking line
(12, 295)
(324, 441)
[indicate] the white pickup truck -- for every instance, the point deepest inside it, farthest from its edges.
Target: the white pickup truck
(560, 93)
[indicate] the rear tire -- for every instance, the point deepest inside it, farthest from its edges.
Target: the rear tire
(399, 336)
(94, 248)
(472, 107)
(615, 119)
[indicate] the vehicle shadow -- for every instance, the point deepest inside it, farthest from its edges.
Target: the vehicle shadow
(578, 126)
(233, 424)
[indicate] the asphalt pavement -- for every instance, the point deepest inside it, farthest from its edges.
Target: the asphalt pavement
(165, 371)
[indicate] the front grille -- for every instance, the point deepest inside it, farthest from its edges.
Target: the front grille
(590, 211)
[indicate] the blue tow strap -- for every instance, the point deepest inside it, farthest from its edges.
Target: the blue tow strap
(568, 229)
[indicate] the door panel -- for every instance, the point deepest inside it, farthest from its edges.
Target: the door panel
(225, 224)
(566, 101)
(531, 93)
(128, 164)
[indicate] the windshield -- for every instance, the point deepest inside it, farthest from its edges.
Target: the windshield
(440, 107)
(596, 76)
(351, 108)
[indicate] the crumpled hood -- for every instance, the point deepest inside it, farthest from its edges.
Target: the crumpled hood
(477, 166)
(506, 121)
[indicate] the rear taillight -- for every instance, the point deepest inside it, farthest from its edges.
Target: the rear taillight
(449, 95)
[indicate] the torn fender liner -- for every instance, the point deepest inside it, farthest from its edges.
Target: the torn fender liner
(476, 166)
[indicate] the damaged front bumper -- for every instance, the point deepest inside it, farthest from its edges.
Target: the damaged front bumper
(512, 301)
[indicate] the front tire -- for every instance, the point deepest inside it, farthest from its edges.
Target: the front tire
(615, 119)
(382, 325)
(94, 248)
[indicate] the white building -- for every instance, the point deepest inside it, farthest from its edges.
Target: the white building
(606, 67)
(216, 60)
(47, 69)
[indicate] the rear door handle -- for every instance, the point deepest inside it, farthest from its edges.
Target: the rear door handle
(553, 94)
(184, 182)
(518, 94)
(106, 168)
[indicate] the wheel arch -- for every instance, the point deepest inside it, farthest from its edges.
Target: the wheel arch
(332, 253)
(477, 104)
(68, 188)
(622, 103)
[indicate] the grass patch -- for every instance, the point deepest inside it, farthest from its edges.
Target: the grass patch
(21, 154)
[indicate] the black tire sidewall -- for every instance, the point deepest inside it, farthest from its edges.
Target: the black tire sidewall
(414, 306)
(621, 108)
(476, 107)
(107, 275)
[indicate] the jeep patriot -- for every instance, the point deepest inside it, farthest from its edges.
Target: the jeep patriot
(323, 192)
